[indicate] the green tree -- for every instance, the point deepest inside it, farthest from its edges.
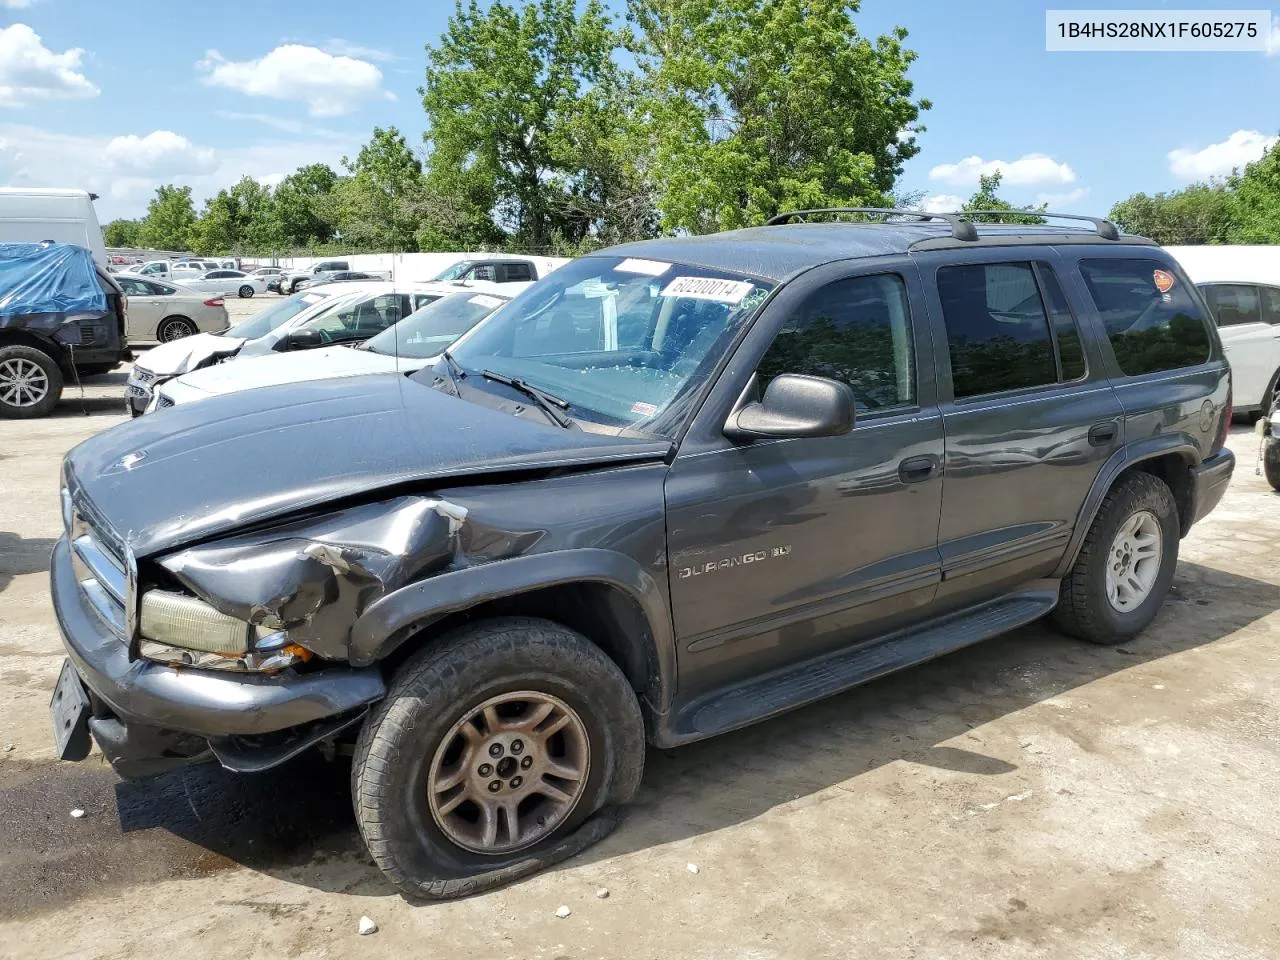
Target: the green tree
(756, 106)
(170, 217)
(1255, 201)
(122, 233)
(987, 198)
(376, 203)
(234, 221)
(303, 210)
(528, 122)
(1200, 213)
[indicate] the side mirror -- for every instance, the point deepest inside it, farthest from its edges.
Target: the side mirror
(303, 340)
(795, 405)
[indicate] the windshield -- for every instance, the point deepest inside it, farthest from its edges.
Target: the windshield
(457, 270)
(428, 331)
(621, 340)
(276, 314)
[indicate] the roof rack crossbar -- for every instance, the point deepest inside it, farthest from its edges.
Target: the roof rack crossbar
(961, 229)
(1104, 228)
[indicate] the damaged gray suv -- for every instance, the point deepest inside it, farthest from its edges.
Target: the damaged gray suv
(674, 488)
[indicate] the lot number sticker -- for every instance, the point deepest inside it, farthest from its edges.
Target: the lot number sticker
(708, 288)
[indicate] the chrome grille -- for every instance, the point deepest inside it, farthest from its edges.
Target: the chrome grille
(102, 567)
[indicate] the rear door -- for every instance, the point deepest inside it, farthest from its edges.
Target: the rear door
(144, 308)
(1029, 415)
(1245, 314)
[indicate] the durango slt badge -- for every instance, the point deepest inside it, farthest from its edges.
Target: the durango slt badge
(737, 560)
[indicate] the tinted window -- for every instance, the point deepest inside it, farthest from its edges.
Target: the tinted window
(1233, 303)
(997, 331)
(218, 275)
(857, 331)
(1270, 304)
(359, 320)
(1149, 329)
(484, 271)
(1065, 331)
(516, 272)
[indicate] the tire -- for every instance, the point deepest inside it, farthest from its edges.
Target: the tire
(175, 328)
(1084, 609)
(432, 695)
(30, 383)
(293, 287)
(1271, 462)
(246, 292)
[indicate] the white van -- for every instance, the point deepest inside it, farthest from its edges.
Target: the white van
(29, 215)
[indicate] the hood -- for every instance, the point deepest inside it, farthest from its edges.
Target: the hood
(203, 469)
(178, 356)
(250, 372)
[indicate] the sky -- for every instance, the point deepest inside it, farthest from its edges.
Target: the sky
(118, 97)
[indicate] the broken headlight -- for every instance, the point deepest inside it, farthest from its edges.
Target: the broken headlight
(181, 630)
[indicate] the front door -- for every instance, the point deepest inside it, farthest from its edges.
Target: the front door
(1029, 413)
(780, 550)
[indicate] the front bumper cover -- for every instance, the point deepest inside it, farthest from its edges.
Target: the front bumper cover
(194, 703)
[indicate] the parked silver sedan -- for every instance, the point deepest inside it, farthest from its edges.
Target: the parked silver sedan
(159, 311)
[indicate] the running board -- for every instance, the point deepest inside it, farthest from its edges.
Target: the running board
(812, 680)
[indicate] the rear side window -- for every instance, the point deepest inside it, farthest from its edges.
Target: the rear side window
(1152, 320)
(517, 272)
(1270, 304)
(857, 331)
(1233, 303)
(997, 329)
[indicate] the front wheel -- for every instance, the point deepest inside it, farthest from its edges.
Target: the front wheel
(30, 382)
(493, 748)
(175, 328)
(1271, 462)
(246, 292)
(1125, 566)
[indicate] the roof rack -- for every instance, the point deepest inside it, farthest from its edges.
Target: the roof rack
(962, 227)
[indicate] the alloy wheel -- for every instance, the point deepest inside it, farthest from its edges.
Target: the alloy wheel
(1133, 562)
(22, 382)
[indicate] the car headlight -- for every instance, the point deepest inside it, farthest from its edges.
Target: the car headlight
(183, 631)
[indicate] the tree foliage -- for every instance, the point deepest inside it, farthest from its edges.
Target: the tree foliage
(760, 105)
(170, 217)
(987, 198)
(1200, 213)
(375, 202)
(122, 233)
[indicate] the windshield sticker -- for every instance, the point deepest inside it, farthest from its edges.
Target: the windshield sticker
(650, 268)
(644, 409)
(1163, 280)
(481, 300)
(313, 297)
(708, 288)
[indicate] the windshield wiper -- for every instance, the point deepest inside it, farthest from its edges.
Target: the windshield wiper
(549, 402)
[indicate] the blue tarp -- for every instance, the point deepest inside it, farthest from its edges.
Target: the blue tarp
(48, 278)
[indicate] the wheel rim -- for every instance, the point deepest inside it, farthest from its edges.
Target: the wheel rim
(176, 330)
(22, 382)
(509, 772)
(246, 291)
(1133, 562)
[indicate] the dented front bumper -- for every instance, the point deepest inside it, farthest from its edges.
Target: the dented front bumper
(136, 702)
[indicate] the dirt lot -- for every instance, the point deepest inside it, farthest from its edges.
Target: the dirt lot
(1030, 797)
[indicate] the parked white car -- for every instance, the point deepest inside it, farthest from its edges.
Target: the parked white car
(157, 311)
(173, 269)
(409, 345)
(228, 282)
(319, 317)
(1248, 318)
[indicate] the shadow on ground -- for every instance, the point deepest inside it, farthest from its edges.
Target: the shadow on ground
(296, 822)
(22, 555)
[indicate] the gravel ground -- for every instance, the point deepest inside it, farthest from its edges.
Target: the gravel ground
(1029, 797)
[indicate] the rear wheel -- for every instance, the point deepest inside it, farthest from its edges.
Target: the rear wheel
(1271, 462)
(1123, 571)
(246, 292)
(30, 382)
(174, 328)
(491, 751)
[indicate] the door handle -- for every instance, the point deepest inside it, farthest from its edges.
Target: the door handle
(918, 469)
(1100, 434)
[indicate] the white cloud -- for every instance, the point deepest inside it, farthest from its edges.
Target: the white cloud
(1219, 159)
(32, 156)
(941, 203)
(285, 124)
(1063, 201)
(329, 85)
(271, 179)
(30, 72)
(1273, 39)
(16, 4)
(161, 151)
(1029, 170)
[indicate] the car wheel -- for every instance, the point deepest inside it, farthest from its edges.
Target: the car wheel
(246, 292)
(175, 328)
(293, 287)
(1125, 566)
(1271, 462)
(30, 382)
(491, 752)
